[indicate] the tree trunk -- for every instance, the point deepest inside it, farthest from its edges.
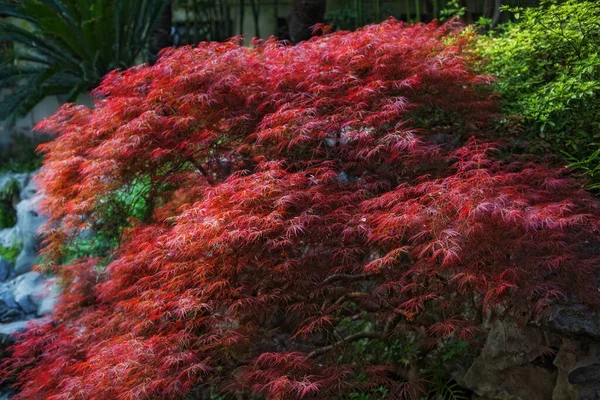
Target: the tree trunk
(496, 16)
(304, 15)
(162, 37)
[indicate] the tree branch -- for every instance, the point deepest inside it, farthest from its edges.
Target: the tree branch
(347, 339)
(347, 277)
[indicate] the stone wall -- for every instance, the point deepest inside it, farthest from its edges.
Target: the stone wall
(25, 295)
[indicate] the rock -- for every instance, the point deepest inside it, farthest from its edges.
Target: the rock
(512, 364)
(25, 262)
(8, 330)
(34, 294)
(49, 298)
(578, 363)
(13, 327)
(29, 221)
(526, 382)
(9, 237)
(575, 319)
(9, 309)
(5, 269)
(25, 287)
(29, 190)
(565, 361)
(586, 374)
(509, 344)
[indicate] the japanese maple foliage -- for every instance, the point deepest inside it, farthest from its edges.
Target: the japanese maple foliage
(291, 190)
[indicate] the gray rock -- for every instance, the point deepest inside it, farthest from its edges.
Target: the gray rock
(8, 330)
(5, 269)
(505, 369)
(48, 298)
(13, 327)
(575, 319)
(29, 190)
(578, 362)
(565, 361)
(10, 237)
(586, 375)
(30, 291)
(585, 372)
(25, 261)
(24, 288)
(9, 309)
(29, 222)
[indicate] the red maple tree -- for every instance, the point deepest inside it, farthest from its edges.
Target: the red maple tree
(291, 190)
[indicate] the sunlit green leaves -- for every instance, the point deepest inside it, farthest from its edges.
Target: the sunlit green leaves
(548, 71)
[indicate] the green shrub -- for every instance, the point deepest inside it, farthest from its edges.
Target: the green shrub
(10, 253)
(548, 71)
(20, 156)
(8, 215)
(67, 46)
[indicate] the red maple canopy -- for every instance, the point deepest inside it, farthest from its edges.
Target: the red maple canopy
(293, 193)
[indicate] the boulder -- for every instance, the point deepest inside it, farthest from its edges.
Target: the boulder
(513, 364)
(29, 190)
(23, 178)
(5, 269)
(13, 327)
(565, 361)
(29, 222)
(34, 294)
(48, 298)
(10, 237)
(24, 288)
(585, 375)
(8, 330)
(575, 319)
(10, 310)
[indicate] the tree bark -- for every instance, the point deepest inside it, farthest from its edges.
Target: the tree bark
(162, 37)
(304, 15)
(496, 16)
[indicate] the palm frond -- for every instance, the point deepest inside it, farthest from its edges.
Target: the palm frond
(67, 46)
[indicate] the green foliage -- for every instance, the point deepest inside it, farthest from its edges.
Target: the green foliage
(444, 388)
(215, 17)
(452, 10)
(352, 14)
(548, 70)
(66, 46)
(20, 156)
(10, 253)
(378, 393)
(442, 385)
(406, 350)
(132, 202)
(8, 215)
(589, 165)
(10, 190)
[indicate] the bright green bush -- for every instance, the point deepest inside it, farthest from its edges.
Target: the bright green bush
(547, 66)
(10, 253)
